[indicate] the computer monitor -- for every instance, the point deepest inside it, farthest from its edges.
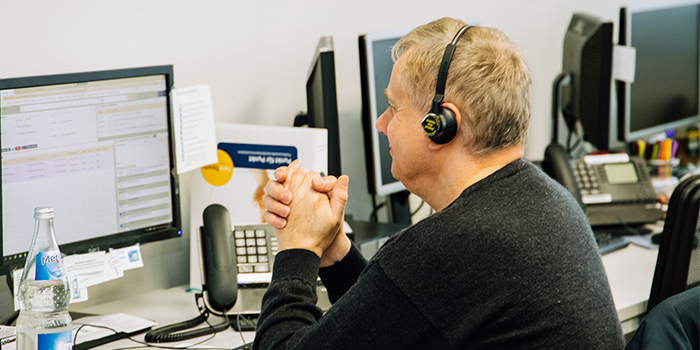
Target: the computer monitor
(96, 146)
(664, 94)
(321, 100)
(587, 64)
(375, 72)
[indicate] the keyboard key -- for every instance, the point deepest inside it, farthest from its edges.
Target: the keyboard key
(262, 242)
(262, 258)
(262, 250)
(262, 268)
(249, 233)
(241, 251)
(240, 242)
(250, 242)
(251, 251)
(239, 234)
(253, 259)
(242, 259)
(260, 233)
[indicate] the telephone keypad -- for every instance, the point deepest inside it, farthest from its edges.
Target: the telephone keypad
(586, 178)
(255, 247)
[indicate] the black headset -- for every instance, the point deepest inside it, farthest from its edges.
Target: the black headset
(440, 124)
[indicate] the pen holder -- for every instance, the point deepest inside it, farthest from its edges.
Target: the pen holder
(663, 168)
(664, 175)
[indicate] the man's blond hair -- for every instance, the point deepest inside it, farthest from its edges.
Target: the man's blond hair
(488, 80)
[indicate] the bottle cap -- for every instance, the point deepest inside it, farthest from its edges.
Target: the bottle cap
(43, 213)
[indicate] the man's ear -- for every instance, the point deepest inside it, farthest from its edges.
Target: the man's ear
(458, 114)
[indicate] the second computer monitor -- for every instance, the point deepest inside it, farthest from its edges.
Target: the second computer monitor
(664, 93)
(321, 100)
(375, 71)
(587, 59)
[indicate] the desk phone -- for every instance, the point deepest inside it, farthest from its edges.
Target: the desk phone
(613, 189)
(236, 264)
(613, 182)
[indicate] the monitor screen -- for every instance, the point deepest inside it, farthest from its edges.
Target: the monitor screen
(664, 94)
(321, 100)
(98, 148)
(375, 72)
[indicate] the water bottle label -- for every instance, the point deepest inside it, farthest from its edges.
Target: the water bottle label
(55, 341)
(49, 266)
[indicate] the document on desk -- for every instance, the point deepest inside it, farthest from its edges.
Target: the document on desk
(195, 133)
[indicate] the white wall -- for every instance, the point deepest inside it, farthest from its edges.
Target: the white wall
(255, 54)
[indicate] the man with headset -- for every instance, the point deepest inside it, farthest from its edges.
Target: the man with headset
(507, 262)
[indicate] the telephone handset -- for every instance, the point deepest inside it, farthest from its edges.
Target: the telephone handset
(613, 189)
(557, 164)
(235, 262)
(220, 283)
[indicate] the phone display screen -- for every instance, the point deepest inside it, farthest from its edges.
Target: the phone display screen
(621, 173)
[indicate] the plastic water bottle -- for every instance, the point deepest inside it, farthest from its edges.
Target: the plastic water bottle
(44, 294)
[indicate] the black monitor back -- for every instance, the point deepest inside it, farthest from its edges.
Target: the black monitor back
(588, 58)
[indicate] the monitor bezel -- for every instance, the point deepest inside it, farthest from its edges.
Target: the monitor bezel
(323, 63)
(624, 88)
(118, 239)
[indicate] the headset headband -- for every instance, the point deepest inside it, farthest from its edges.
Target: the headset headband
(444, 67)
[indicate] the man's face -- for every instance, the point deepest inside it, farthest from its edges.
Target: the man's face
(401, 124)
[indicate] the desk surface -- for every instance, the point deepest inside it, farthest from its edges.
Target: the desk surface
(165, 307)
(630, 272)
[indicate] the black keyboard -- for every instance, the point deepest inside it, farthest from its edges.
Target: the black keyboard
(609, 242)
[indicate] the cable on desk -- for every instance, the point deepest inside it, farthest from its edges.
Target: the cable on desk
(167, 334)
(149, 345)
(240, 330)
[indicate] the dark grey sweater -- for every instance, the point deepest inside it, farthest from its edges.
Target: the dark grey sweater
(510, 264)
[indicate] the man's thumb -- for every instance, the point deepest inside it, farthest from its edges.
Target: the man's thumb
(340, 196)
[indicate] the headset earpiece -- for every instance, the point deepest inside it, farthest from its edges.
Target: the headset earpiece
(441, 127)
(440, 124)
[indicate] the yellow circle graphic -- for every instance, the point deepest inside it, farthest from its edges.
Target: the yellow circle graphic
(220, 173)
(430, 124)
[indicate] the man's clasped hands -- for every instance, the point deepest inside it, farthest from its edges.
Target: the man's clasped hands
(307, 212)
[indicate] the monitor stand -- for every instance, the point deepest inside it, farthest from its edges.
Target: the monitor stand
(400, 209)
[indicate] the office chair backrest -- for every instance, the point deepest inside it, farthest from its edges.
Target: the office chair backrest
(678, 262)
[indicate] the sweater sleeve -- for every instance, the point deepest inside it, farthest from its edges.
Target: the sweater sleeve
(338, 278)
(374, 314)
